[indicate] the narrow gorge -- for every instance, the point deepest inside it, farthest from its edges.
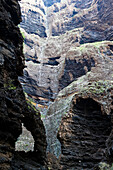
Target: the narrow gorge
(56, 84)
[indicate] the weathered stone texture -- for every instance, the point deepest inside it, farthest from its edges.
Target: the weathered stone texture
(75, 46)
(80, 113)
(33, 17)
(83, 135)
(93, 17)
(53, 59)
(13, 107)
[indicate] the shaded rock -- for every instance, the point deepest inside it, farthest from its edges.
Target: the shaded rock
(23, 160)
(33, 17)
(83, 135)
(72, 62)
(14, 109)
(53, 162)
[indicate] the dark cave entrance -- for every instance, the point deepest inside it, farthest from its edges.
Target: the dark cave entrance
(94, 130)
(84, 139)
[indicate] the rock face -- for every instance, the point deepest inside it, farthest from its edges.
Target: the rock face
(33, 17)
(81, 116)
(13, 107)
(90, 16)
(83, 135)
(56, 29)
(71, 52)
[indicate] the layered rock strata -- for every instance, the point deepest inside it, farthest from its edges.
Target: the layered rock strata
(81, 116)
(72, 44)
(33, 17)
(92, 17)
(13, 107)
(56, 29)
(83, 135)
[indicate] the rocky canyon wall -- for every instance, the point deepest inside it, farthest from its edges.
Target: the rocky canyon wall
(14, 109)
(49, 51)
(80, 113)
(98, 80)
(68, 47)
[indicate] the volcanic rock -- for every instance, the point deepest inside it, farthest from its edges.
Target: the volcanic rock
(51, 36)
(14, 109)
(68, 48)
(81, 116)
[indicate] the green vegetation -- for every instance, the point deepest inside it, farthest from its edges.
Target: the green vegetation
(23, 35)
(29, 98)
(25, 94)
(42, 116)
(87, 46)
(97, 44)
(82, 47)
(31, 106)
(9, 85)
(98, 87)
(105, 166)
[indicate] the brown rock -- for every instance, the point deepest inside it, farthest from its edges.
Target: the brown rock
(80, 108)
(52, 62)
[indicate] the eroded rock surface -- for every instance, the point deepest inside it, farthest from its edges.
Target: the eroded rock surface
(93, 17)
(83, 135)
(75, 42)
(33, 17)
(13, 107)
(51, 37)
(80, 113)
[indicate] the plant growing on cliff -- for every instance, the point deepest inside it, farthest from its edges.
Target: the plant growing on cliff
(9, 85)
(31, 106)
(97, 87)
(23, 35)
(105, 166)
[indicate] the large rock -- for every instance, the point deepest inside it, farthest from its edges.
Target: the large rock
(79, 40)
(13, 107)
(50, 68)
(81, 114)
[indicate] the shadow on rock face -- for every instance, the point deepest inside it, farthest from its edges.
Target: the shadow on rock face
(83, 135)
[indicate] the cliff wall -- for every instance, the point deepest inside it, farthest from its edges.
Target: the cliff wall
(49, 51)
(14, 109)
(71, 51)
(81, 116)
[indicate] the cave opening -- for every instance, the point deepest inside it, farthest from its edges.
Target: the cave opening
(25, 142)
(95, 127)
(83, 136)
